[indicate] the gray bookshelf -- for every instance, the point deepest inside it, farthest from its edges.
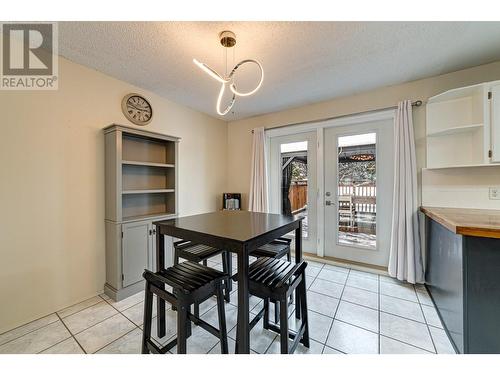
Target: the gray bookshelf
(141, 187)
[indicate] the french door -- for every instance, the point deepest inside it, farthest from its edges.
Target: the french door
(292, 181)
(358, 175)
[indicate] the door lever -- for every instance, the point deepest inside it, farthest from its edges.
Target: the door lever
(328, 203)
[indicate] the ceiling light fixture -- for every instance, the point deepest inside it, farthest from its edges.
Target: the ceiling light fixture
(228, 40)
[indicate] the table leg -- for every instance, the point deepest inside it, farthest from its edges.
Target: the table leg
(243, 327)
(160, 265)
(298, 258)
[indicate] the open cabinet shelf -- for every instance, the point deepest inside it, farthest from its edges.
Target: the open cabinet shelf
(150, 191)
(455, 130)
(147, 164)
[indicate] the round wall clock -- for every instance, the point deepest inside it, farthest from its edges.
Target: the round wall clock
(137, 109)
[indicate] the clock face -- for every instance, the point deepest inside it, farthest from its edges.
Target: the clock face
(137, 109)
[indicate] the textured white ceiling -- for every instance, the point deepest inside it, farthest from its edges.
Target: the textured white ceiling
(304, 62)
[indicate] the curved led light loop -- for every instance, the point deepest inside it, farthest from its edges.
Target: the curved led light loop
(219, 99)
(233, 87)
(212, 73)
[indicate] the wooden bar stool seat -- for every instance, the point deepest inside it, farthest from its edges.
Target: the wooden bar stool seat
(200, 254)
(275, 249)
(192, 283)
(275, 280)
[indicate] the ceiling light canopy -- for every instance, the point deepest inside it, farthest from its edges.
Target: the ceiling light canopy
(228, 40)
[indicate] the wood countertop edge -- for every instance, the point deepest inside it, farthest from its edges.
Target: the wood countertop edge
(469, 230)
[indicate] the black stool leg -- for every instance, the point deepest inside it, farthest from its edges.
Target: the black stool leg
(284, 326)
(205, 262)
(266, 313)
(176, 261)
(222, 320)
(303, 307)
(227, 268)
(148, 317)
(197, 310)
(276, 312)
(289, 258)
(182, 328)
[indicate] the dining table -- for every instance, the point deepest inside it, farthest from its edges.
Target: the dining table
(239, 232)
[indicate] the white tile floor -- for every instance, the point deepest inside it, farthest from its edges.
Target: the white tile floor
(350, 312)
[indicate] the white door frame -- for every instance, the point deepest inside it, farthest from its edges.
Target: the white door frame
(319, 127)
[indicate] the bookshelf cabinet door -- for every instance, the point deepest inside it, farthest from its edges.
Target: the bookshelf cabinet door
(136, 247)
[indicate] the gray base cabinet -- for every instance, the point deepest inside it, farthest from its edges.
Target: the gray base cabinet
(137, 251)
(463, 279)
(141, 169)
(131, 248)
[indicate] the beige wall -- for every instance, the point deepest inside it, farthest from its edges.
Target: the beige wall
(463, 187)
(52, 185)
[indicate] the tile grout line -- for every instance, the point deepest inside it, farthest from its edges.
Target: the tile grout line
(85, 308)
(71, 333)
(371, 308)
(93, 325)
(426, 324)
(379, 315)
(125, 334)
(336, 310)
(407, 343)
(27, 333)
(120, 313)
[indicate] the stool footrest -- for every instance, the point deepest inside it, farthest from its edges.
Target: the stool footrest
(203, 324)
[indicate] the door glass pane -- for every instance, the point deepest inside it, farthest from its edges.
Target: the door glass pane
(294, 181)
(357, 190)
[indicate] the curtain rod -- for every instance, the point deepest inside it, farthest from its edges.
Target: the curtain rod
(416, 103)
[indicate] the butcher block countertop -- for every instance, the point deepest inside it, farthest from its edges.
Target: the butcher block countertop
(465, 221)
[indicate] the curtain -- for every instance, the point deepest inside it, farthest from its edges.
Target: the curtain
(405, 258)
(257, 201)
(286, 181)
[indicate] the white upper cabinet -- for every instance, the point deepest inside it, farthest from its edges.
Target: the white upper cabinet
(463, 129)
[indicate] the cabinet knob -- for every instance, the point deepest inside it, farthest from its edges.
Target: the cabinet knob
(150, 232)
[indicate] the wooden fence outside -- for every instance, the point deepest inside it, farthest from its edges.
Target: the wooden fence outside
(298, 195)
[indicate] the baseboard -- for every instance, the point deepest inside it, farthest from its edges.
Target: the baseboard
(347, 263)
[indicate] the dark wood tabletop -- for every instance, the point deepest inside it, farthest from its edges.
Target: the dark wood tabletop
(239, 227)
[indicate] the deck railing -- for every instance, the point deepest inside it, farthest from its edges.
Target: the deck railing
(364, 196)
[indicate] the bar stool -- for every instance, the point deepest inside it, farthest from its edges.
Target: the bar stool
(276, 279)
(192, 283)
(200, 254)
(276, 249)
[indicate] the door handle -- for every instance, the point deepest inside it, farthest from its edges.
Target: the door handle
(328, 203)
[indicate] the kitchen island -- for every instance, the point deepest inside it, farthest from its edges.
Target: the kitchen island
(463, 275)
